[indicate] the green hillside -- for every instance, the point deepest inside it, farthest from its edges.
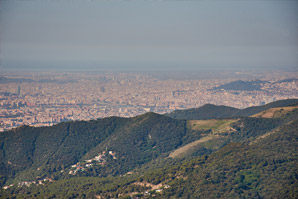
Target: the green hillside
(264, 169)
(27, 152)
(143, 139)
(153, 156)
(44, 150)
(264, 165)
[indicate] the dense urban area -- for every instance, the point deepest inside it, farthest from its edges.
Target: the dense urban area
(47, 98)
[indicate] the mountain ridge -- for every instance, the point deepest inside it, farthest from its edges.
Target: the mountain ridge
(209, 111)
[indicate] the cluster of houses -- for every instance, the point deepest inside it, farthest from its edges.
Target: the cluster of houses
(100, 159)
(158, 188)
(28, 183)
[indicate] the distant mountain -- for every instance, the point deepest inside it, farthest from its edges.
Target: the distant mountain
(241, 85)
(4, 80)
(209, 111)
(288, 80)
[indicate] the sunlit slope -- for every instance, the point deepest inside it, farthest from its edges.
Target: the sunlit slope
(275, 112)
(216, 133)
(211, 138)
(264, 169)
(217, 126)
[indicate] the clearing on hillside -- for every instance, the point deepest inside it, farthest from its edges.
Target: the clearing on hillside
(209, 142)
(189, 147)
(217, 126)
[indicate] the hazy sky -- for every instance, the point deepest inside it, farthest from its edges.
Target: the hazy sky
(148, 34)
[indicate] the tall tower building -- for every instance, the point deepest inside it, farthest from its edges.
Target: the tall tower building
(19, 90)
(102, 89)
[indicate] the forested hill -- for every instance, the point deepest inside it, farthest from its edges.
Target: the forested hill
(154, 156)
(210, 111)
(263, 168)
(28, 151)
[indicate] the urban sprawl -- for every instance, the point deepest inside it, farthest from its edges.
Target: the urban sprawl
(43, 99)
